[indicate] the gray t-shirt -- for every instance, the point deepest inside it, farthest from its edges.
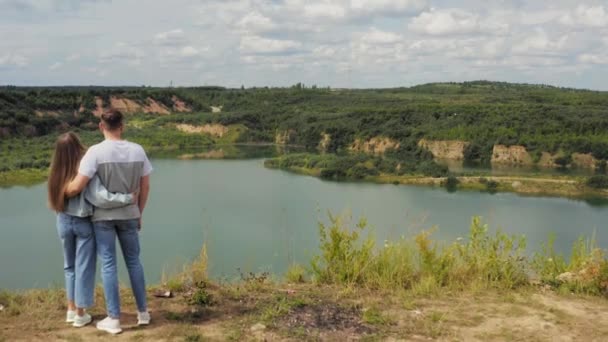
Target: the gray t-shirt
(120, 166)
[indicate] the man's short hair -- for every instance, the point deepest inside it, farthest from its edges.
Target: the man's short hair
(112, 119)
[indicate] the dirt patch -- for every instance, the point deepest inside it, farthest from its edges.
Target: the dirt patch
(125, 105)
(79, 111)
(98, 106)
(324, 143)
(180, 106)
(445, 149)
(285, 137)
(586, 161)
(43, 113)
(548, 160)
(325, 317)
(376, 145)
(216, 130)
(511, 155)
(155, 107)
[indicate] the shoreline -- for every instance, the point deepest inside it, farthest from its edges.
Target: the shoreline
(571, 187)
(22, 177)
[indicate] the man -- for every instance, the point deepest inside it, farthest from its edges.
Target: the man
(123, 167)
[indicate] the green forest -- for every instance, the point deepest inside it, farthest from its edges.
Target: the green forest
(541, 118)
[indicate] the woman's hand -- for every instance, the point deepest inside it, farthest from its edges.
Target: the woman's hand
(135, 195)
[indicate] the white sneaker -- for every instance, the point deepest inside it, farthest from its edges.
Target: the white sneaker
(110, 325)
(69, 317)
(81, 321)
(143, 318)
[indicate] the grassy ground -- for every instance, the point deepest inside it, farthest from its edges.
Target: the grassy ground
(22, 177)
(257, 310)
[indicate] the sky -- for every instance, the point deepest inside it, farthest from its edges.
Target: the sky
(337, 43)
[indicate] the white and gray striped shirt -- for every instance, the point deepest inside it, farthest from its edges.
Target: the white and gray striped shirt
(120, 166)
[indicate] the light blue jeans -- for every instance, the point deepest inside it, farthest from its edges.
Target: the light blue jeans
(78, 241)
(128, 237)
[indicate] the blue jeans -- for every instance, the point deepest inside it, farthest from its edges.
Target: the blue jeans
(128, 237)
(78, 241)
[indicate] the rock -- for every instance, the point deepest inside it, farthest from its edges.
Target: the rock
(516, 184)
(514, 154)
(163, 294)
(445, 149)
(377, 145)
(258, 327)
(324, 143)
(1, 308)
(416, 313)
(566, 277)
(585, 161)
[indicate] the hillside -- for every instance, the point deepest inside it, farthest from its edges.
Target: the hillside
(484, 121)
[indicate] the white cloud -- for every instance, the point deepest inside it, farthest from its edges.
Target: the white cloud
(324, 10)
(260, 45)
(455, 21)
(42, 5)
(56, 66)
(73, 57)
(274, 42)
(541, 43)
(538, 17)
(324, 51)
(95, 70)
(451, 21)
(256, 22)
(389, 7)
(593, 58)
(591, 16)
(122, 53)
(375, 36)
(13, 59)
(170, 38)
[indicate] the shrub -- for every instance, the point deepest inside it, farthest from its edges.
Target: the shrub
(585, 272)
(431, 168)
(200, 296)
(563, 161)
(451, 183)
(602, 167)
(344, 257)
(296, 274)
(598, 182)
(491, 186)
(333, 174)
(419, 264)
(360, 171)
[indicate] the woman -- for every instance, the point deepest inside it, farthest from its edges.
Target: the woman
(74, 225)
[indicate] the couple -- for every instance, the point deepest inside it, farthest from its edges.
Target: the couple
(98, 196)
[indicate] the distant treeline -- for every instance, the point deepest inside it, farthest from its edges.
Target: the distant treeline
(541, 118)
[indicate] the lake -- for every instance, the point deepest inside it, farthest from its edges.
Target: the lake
(256, 219)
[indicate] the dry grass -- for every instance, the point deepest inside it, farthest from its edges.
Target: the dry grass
(320, 312)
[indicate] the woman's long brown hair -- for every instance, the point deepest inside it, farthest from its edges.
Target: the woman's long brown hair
(64, 167)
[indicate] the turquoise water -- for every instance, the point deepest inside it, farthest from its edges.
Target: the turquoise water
(256, 219)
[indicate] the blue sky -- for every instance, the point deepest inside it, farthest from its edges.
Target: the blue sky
(338, 43)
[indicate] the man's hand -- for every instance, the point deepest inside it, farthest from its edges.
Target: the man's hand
(76, 185)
